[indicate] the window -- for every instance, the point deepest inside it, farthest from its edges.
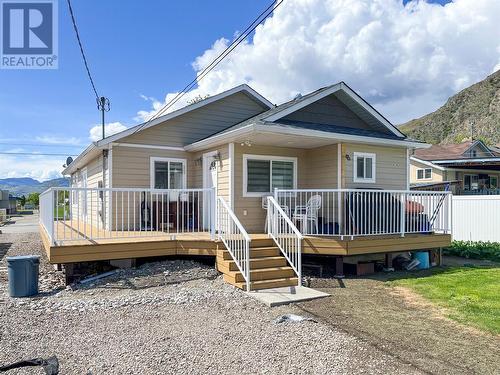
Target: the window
(263, 174)
(471, 182)
(168, 173)
(364, 167)
(493, 182)
(424, 174)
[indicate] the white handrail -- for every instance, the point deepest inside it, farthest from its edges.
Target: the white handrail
(367, 212)
(84, 213)
(286, 235)
(235, 238)
(47, 213)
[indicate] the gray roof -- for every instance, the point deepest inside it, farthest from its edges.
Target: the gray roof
(260, 118)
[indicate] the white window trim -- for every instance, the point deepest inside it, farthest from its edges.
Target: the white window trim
(423, 178)
(270, 158)
(355, 167)
(154, 159)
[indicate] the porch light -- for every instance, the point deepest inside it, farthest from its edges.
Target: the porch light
(347, 157)
(246, 143)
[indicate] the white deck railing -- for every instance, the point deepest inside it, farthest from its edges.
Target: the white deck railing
(286, 235)
(71, 214)
(363, 212)
(235, 238)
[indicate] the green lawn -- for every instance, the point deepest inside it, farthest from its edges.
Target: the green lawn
(470, 295)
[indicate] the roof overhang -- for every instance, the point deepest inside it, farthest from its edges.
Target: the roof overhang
(341, 86)
(269, 130)
(494, 160)
(93, 149)
(426, 163)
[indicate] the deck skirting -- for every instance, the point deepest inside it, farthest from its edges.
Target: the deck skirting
(202, 245)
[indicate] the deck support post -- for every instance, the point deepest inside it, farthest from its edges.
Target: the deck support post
(339, 268)
(440, 257)
(388, 263)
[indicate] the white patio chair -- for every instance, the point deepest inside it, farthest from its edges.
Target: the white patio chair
(265, 206)
(308, 215)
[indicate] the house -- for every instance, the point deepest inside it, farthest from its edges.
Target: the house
(468, 168)
(8, 202)
(253, 184)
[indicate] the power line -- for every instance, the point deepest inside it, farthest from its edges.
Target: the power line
(38, 145)
(33, 154)
(81, 49)
(250, 28)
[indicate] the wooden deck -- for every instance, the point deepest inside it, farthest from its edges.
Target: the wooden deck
(124, 245)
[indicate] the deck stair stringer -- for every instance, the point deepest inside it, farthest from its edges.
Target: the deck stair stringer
(268, 267)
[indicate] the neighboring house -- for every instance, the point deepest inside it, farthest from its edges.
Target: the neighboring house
(468, 168)
(8, 202)
(338, 171)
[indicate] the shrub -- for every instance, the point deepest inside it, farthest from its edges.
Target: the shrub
(475, 250)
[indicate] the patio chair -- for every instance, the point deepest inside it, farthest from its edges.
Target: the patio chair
(308, 215)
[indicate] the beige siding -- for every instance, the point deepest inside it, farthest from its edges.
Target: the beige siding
(131, 165)
(254, 219)
(199, 124)
(390, 170)
(437, 175)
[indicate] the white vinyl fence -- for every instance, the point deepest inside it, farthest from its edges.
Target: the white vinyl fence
(476, 218)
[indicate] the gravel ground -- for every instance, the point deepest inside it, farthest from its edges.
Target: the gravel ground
(168, 317)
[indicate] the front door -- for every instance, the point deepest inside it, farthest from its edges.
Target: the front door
(210, 170)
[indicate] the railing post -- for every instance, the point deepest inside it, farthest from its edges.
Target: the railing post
(247, 262)
(213, 214)
(51, 216)
(450, 214)
(403, 217)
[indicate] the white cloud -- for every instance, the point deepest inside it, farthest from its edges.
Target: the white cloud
(405, 60)
(54, 140)
(95, 133)
(38, 167)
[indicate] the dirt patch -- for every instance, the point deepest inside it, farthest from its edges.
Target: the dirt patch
(404, 325)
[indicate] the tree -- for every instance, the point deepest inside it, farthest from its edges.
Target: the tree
(33, 198)
(23, 200)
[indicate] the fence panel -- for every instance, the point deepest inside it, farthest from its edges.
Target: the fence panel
(476, 218)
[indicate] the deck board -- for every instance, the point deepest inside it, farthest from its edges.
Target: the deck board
(116, 246)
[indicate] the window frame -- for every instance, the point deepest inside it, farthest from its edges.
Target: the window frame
(364, 180)
(270, 158)
(424, 178)
(152, 174)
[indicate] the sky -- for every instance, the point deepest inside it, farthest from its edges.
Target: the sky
(405, 57)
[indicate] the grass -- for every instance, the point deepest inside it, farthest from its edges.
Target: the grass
(470, 295)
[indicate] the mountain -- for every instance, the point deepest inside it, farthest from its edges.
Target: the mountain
(479, 103)
(26, 185)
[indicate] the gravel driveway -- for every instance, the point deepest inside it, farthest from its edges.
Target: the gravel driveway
(169, 317)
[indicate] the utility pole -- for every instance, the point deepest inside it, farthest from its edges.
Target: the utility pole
(103, 105)
(471, 130)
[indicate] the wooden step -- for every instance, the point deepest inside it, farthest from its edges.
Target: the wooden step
(261, 274)
(262, 242)
(265, 284)
(255, 263)
(257, 252)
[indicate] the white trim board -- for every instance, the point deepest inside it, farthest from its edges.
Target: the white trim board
(154, 159)
(270, 158)
(231, 175)
(364, 180)
(158, 147)
(233, 135)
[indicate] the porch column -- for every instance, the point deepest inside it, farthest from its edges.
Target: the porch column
(339, 186)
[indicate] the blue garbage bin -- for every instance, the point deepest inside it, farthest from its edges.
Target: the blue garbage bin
(23, 275)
